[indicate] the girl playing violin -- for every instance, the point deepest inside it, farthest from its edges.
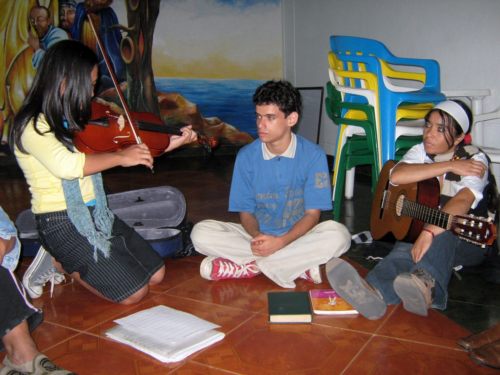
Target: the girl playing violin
(75, 225)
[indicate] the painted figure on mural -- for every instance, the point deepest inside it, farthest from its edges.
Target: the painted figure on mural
(67, 9)
(105, 21)
(46, 35)
(31, 30)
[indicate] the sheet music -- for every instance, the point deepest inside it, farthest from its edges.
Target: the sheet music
(160, 350)
(165, 324)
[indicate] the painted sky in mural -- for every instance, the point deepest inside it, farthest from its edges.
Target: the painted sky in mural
(217, 39)
(216, 52)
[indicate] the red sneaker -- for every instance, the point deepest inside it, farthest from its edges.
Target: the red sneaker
(219, 269)
(312, 275)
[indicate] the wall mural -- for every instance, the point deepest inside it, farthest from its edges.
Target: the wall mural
(188, 61)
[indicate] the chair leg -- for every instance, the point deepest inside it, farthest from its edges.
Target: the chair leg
(375, 172)
(388, 132)
(339, 187)
(349, 183)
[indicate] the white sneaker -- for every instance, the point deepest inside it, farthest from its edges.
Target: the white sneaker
(39, 272)
(312, 275)
(39, 365)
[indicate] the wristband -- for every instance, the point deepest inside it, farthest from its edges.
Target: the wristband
(429, 231)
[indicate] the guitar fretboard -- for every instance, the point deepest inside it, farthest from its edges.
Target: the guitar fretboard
(423, 213)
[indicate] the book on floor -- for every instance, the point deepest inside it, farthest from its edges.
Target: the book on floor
(289, 307)
(328, 302)
(164, 333)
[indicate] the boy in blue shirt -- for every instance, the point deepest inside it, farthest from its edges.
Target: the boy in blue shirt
(280, 185)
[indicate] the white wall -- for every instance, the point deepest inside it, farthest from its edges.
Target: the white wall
(462, 35)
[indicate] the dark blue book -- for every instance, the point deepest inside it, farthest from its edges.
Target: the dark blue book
(289, 307)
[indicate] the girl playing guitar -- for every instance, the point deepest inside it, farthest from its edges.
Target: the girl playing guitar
(417, 274)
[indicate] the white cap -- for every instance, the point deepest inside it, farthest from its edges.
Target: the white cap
(456, 111)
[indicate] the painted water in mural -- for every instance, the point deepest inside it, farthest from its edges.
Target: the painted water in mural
(229, 100)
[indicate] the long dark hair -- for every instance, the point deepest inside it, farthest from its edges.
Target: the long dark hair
(62, 90)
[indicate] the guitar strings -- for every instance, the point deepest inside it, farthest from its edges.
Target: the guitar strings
(419, 211)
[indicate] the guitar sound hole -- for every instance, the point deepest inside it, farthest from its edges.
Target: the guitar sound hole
(399, 205)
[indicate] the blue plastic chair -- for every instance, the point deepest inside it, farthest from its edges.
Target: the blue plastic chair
(367, 55)
(429, 77)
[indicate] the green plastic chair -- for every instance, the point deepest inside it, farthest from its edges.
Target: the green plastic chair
(358, 149)
(404, 143)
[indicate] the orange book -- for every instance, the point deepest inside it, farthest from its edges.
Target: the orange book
(328, 302)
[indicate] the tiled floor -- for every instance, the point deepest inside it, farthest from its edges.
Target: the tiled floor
(75, 320)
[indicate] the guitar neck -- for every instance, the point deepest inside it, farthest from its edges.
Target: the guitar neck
(426, 214)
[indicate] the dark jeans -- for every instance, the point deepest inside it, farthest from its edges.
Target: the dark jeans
(14, 307)
(446, 252)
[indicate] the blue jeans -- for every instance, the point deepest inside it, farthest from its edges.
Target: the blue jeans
(446, 252)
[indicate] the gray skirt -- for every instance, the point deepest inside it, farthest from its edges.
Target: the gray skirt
(129, 267)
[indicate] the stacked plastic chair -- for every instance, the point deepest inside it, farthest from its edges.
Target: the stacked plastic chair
(415, 89)
(362, 87)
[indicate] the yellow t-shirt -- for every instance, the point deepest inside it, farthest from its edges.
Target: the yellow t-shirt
(46, 162)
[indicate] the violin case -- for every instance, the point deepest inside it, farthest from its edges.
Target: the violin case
(157, 214)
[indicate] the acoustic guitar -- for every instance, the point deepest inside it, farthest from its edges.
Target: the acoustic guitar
(404, 209)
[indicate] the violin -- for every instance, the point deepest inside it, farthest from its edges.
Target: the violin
(108, 131)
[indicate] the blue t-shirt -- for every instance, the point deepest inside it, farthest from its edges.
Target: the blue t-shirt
(279, 190)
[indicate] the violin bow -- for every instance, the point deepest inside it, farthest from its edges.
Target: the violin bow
(208, 146)
(113, 78)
